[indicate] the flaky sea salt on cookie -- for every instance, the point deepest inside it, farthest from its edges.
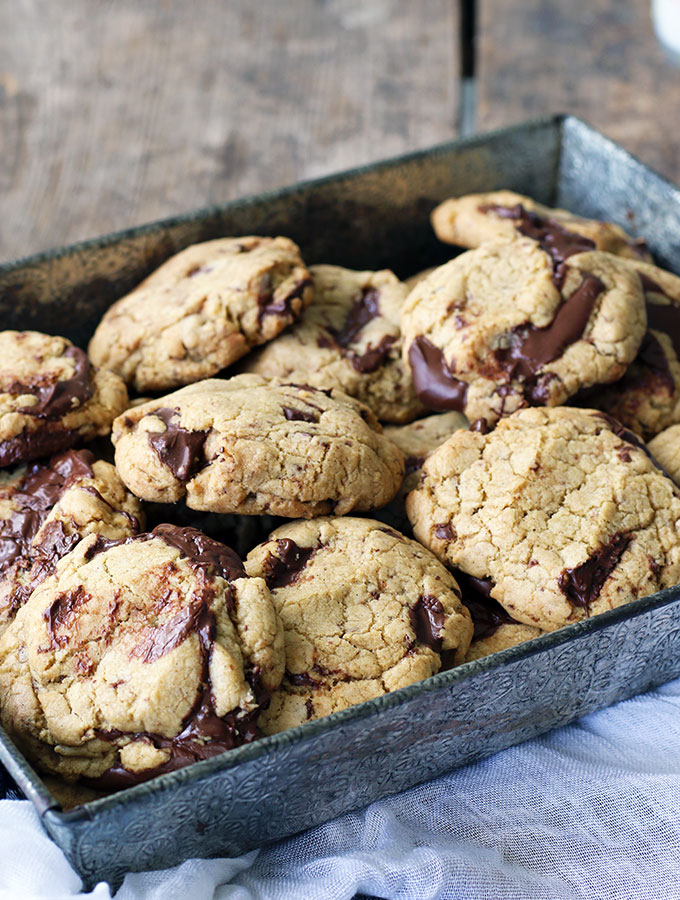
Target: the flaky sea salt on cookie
(51, 397)
(202, 310)
(562, 511)
(249, 445)
(365, 611)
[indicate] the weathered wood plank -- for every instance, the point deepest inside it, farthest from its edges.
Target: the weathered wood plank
(112, 114)
(597, 59)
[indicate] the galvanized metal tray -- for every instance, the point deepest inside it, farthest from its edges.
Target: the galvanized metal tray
(372, 217)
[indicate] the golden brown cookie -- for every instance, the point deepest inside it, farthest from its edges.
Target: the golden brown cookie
(202, 310)
(503, 327)
(365, 611)
(46, 509)
(562, 509)
(349, 338)
(248, 445)
(647, 397)
(51, 398)
(138, 657)
(475, 219)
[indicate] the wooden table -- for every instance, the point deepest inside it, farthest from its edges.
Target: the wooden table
(112, 114)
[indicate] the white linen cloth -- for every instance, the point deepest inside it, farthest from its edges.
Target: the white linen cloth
(591, 811)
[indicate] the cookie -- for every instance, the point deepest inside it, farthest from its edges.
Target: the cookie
(46, 509)
(502, 327)
(202, 310)
(647, 397)
(475, 219)
(502, 638)
(51, 397)
(349, 338)
(138, 657)
(248, 445)
(665, 448)
(494, 628)
(562, 510)
(417, 440)
(365, 611)
(418, 277)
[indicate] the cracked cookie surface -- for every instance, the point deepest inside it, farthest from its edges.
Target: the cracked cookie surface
(139, 657)
(46, 509)
(51, 397)
(474, 219)
(562, 511)
(248, 445)
(365, 611)
(504, 327)
(349, 338)
(202, 310)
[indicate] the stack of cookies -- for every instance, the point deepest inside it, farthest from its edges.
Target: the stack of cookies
(156, 608)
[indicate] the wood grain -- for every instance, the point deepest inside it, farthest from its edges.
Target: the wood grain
(595, 58)
(115, 113)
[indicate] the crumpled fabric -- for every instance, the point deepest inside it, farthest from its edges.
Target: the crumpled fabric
(591, 810)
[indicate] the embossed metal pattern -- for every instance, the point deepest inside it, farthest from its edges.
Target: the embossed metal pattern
(368, 218)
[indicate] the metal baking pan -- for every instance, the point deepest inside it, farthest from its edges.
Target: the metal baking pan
(376, 216)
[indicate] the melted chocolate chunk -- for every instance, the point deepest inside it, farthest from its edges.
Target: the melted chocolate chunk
(427, 620)
(551, 236)
(281, 306)
(662, 316)
(481, 426)
(487, 614)
(62, 612)
(309, 709)
(38, 491)
(300, 415)
(373, 357)
(204, 733)
(444, 532)
(531, 347)
(201, 550)
(160, 640)
(301, 679)
(37, 444)
(432, 378)
(180, 449)
(582, 584)
(655, 368)
(364, 309)
(284, 569)
(56, 398)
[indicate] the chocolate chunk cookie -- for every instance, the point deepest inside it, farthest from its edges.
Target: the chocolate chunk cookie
(494, 627)
(202, 310)
(503, 327)
(51, 398)
(46, 509)
(561, 510)
(248, 445)
(647, 397)
(349, 338)
(365, 611)
(665, 448)
(138, 657)
(474, 219)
